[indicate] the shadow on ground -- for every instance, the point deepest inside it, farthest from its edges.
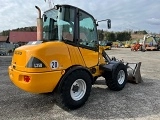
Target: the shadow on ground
(135, 100)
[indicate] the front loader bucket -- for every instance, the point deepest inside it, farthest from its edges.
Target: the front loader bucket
(134, 74)
(133, 69)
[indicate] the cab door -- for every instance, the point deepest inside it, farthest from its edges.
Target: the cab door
(88, 39)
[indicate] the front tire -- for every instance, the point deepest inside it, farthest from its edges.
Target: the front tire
(76, 89)
(117, 78)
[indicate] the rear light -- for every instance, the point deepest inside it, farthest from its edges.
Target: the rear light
(35, 63)
(26, 78)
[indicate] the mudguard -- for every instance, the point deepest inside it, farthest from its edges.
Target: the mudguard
(69, 71)
(110, 66)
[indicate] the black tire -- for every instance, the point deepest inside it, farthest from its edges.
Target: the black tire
(72, 84)
(117, 79)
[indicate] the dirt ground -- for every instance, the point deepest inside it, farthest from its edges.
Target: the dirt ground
(134, 102)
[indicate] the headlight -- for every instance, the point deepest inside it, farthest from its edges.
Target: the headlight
(35, 63)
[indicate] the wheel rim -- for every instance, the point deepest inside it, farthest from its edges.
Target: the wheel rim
(78, 89)
(121, 77)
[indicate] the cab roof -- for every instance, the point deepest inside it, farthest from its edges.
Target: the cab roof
(67, 5)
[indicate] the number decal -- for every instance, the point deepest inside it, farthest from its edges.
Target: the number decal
(54, 64)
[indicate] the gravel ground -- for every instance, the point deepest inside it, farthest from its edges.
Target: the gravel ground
(134, 102)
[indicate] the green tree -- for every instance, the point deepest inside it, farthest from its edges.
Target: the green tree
(123, 36)
(111, 36)
(100, 35)
(120, 36)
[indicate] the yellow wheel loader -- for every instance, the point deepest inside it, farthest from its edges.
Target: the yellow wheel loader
(66, 57)
(127, 44)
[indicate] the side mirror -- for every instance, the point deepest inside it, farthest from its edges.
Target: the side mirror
(109, 23)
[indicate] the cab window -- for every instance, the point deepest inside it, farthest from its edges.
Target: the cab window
(68, 24)
(87, 28)
(59, 24)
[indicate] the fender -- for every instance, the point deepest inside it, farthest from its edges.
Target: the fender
(110, 66)
(69, 71)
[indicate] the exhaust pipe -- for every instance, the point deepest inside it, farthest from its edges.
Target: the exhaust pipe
(39, 25)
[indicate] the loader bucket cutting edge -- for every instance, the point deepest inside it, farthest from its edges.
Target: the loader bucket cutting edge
(133, 70)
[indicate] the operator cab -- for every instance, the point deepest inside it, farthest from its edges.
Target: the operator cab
(71, 25)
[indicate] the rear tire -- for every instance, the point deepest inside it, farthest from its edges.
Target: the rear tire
(116, 79)
(75, 89)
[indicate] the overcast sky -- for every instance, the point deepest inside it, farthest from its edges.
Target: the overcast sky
(124, 14)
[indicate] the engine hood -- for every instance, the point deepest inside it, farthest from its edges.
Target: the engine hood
(51, 54)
